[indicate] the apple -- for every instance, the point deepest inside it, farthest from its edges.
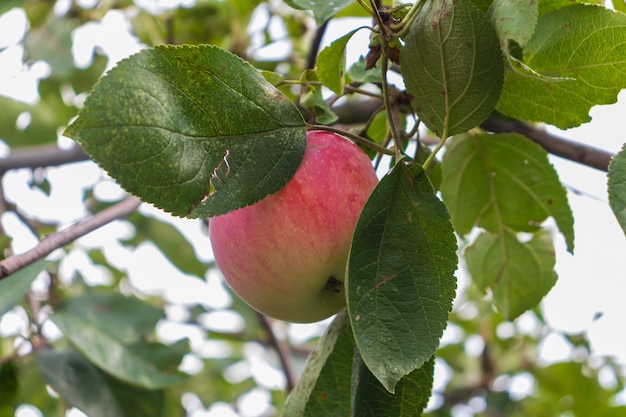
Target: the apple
(286, 255)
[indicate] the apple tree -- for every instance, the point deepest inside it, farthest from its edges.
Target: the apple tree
(448, 100)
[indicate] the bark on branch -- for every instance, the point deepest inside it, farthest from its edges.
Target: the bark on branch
(41, 156)
(63, 237)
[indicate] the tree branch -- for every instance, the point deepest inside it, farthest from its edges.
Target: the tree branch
(315, 45)
(356, 112)
(41, 156)
(283, 351)
(63, 237)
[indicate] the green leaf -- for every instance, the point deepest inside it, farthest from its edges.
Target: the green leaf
(371, 399)
(96, 394)
(194, 130)
(519, 273)
(358, 73)
(331, 63)
(452, 65)
(78, 382)
(514, 20)
(401, 280)
(619, 5)
(324, 386)
(617, 187)
(164, 357)
(575, 379)
(110, 354)
(46, 116)
(32, 387)
(322, 10)
(585, 48)
(7, 5)
(547, 6)
(9, 382)
(273, 77)
(128, 319)
(515, 23)
(503, 180)
(14, 287)
(312, 99)
(52, 42)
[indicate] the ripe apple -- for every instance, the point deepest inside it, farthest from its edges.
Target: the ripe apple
(286, 255)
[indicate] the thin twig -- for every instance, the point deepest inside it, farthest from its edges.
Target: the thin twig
(63, 237)
(316, 44)
(41, 156)
(283, 351)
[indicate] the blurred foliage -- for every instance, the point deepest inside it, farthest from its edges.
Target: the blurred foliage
(37, 363)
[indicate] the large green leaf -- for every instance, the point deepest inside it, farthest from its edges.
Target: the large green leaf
(583, 49)
(109, 330)
(15, 287)
(401, 280)
(518, 273)
(547, 6)
(194, 130)
(79, 382)
(93, 392)
(324, 387)
(371, 399)
(617, 187)
(452, 65)
(110, 354)
(503, 180)
(127, 319)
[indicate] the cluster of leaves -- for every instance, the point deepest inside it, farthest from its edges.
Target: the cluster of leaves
(198, 131)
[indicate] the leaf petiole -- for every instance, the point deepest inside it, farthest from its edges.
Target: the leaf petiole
(356, 138)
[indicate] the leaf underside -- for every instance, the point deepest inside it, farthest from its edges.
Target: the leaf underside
(452, 66)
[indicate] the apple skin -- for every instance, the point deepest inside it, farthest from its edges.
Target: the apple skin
(286, 255)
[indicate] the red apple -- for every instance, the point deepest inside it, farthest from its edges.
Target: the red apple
(286, 255)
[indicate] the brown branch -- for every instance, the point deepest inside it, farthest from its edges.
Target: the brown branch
(283, 351)
(63, 237)
(355, 112)
(315, 45)
(565, 148)
(41, 156)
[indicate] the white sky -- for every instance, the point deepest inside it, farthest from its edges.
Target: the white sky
(590, 282)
